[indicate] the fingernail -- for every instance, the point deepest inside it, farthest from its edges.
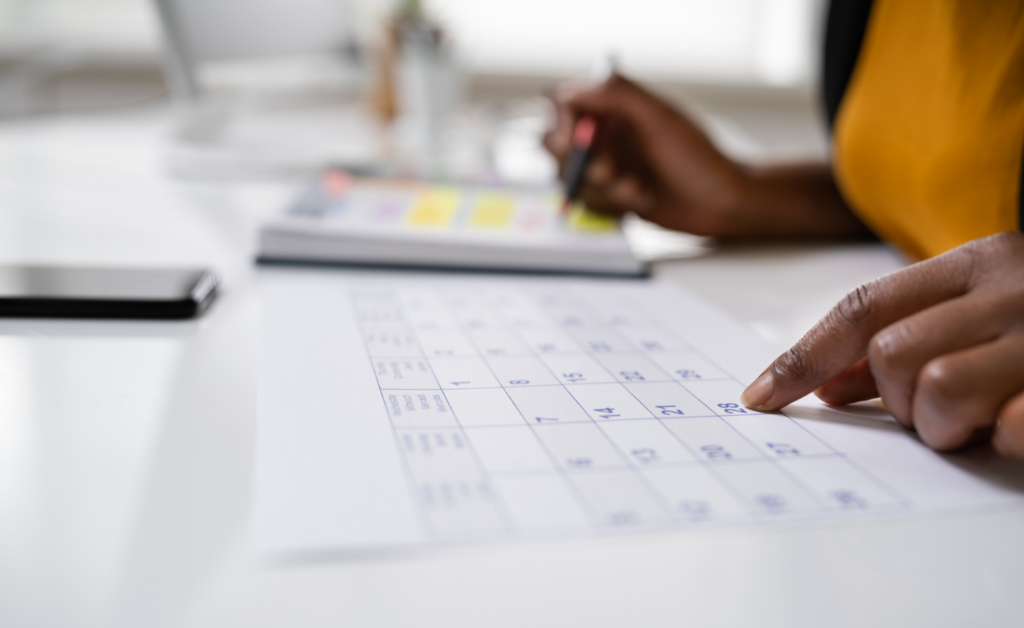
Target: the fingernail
(759, 392)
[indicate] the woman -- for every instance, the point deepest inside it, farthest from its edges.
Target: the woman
(926, 102)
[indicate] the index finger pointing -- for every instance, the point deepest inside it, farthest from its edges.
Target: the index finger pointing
(841, 338)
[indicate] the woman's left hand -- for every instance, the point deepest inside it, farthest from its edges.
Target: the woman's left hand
(941, 342)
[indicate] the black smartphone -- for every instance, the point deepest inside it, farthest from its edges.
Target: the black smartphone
(82, 292)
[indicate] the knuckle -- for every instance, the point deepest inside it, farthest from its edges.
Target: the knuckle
(1006, 242)
(887, 349)
(599, 172)
(990, 253)
(857, 306)
(881, 352)
(596, 201)
(618, 83)
(941, 382)
(950, 410)
(794, 365)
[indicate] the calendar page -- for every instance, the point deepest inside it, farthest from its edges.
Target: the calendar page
(435, 409)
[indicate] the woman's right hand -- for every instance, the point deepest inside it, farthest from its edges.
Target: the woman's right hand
(650, 159)
(647, 158)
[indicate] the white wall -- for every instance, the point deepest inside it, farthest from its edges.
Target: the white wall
(731, 41)
(768, 41)
(99, 23)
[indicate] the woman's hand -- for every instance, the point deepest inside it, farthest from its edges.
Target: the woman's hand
(941, 341)
(650, 159)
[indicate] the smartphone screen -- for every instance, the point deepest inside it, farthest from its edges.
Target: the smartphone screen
(149, 293)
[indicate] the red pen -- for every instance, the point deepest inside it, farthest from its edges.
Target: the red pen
(582, 140)
(583, 135)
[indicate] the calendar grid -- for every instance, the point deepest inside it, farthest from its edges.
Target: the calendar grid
(657, 494)
(701, 462)
(704, 463)
(580, 499)
(415, 489)
(502, 510)
(552, 352)
(795, 479)
(499, 505)
(628, 464)
(420, 511)
(884, 485)
(661, 498)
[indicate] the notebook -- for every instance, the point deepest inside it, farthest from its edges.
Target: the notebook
(348, 220)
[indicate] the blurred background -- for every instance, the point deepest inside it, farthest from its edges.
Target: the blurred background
(257, 85)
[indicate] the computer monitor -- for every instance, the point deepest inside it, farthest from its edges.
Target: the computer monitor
(202, 31)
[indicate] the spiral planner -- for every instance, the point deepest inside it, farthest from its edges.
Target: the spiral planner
(394, 223)
(410, 410)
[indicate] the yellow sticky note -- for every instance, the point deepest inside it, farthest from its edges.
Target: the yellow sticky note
(582, 219)
(555, 203)
(492, 211)
(435, 207)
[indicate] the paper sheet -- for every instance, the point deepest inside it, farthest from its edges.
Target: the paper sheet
(424, 409)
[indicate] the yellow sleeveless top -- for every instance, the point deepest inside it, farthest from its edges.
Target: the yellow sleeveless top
(930, 133)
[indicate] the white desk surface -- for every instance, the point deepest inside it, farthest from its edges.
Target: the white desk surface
(126, 450)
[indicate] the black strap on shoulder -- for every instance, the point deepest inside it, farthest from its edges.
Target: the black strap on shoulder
(844, 31)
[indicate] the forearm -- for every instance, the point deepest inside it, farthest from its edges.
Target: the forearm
(795, 201)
